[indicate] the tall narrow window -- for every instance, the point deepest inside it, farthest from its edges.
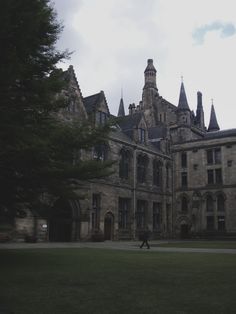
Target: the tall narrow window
(184, 204)
(142, 135)
(156, 172)
(220, 203)
(156, 216)
(96, 203)
(221, 223)
(214, 156)
(218, 175)
(141, 168)
(210, 176)
(209, 203)
(141, 214)
(100, 152)
(210, 156)
(184, 179)
(217, 155)
(101, 117)
(124, 209)
(184, 160)
(210, 223)
(124, 164)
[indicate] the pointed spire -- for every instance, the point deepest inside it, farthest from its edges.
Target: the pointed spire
(121, 111)
(183, 103)
(213, 124)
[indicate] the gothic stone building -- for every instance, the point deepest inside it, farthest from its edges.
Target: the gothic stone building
(173, 175)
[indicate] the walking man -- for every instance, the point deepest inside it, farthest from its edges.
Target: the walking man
(145, 237)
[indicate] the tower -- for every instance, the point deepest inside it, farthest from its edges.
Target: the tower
(150, 91)
(200, 113)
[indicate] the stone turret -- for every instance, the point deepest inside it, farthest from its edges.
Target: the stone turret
(213, 124)
(150, 91)
(199, 121)
(150, 75)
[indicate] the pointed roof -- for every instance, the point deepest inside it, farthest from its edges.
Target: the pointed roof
(121, 111)
(183, 103)
(150, 66)
(213, 124)
(92, 102)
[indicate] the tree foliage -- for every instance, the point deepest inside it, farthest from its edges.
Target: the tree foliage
(38, 153)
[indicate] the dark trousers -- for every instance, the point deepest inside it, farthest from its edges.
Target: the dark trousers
(145, 242)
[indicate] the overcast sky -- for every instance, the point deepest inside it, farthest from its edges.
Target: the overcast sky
(111, 41)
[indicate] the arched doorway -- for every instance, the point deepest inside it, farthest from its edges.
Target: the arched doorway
(184, 231)
(64, 221)
(108, 226)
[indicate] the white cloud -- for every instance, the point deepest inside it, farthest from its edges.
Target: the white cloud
(113, 39)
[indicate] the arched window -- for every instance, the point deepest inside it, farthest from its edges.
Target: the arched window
(209, 203)
(184, 204)
(124, 164)
(157, 173)
(142, 162)
(220, 203)
(100, 152)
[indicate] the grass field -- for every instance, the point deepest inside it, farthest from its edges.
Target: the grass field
(54, 281)
(201, 244)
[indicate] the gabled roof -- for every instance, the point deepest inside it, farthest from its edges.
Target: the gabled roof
(183, 103)
(130, 121)
(92, 102)
(213, 124)
(69, 74)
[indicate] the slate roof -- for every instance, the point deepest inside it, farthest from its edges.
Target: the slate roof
(91, 102)
(213, 124)
(183, 103)
(121, 111)
(130, 121)
(220, 134)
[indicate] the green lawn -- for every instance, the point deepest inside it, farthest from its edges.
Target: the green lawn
(54, 281)
(201, 244)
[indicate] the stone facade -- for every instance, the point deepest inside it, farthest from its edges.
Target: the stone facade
(172, 174)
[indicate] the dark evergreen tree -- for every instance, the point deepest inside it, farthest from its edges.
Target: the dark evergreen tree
(37, 151)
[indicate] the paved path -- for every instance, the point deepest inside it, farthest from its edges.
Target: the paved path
(114, 245)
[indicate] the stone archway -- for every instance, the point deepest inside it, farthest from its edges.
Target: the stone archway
(184, 227)
(108, 226)
(64, 221)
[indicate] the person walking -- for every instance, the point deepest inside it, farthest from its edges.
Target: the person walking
(145, 238)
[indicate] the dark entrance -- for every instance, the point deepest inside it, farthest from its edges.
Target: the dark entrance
(108, 226)
(184, 231)
(63, 221)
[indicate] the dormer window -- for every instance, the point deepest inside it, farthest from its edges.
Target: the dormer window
(142, 135)
(101, 117)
